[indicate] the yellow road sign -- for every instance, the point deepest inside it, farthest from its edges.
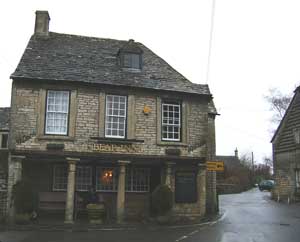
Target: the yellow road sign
(215, 165)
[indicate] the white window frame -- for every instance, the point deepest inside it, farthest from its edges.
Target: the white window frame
(170, 124)
(132, 182)
(84, 181)
(114, 179)
(107, 116)
(57, 112)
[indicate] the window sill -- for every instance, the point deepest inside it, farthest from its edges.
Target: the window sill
(133, 70)
(55, 137)
(172, 143)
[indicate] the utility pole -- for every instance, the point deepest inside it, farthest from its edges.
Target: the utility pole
(252, 162)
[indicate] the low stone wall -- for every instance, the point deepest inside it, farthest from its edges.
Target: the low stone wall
(137, 205)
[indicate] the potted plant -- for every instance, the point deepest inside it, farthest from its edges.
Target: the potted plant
(24, 201)
(95, 208)
(162, 203)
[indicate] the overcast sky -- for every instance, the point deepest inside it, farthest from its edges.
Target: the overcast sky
(256, 46)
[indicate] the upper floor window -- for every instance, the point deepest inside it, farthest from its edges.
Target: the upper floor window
(4, 140)
(115, 118)
(171, 125)
(131, 60)
(57, 112)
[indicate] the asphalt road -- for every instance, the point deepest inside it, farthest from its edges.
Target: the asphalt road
(249, 216)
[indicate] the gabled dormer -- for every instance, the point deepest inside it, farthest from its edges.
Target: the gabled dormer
(131, 56)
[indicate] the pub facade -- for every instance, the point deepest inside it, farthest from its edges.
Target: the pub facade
(111, 116)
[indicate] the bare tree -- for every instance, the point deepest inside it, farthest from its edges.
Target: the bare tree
(279, 103)
(246, 160)
(268, 161)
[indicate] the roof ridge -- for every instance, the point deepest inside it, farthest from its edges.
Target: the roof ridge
(87, 37)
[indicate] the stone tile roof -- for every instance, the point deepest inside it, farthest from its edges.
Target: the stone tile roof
(95, 60)
(4, 118)
(283, 138)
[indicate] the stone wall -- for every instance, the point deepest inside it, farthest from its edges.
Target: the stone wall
(198, 208)
(87, 120)
(284, 176)
(211, 182)
(3, 183)
(28, 109)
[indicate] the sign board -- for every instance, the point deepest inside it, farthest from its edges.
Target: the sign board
(215, 165)
(185, 187)
(118, 148)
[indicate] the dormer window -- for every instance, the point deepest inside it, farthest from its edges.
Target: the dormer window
(131, 60)
(130, 56)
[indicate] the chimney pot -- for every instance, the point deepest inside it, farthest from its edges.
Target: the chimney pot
(42, 20)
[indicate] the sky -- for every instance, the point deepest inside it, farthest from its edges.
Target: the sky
(255, 46)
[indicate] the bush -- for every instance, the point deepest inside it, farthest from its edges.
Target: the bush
(24, 197)
(162, 200)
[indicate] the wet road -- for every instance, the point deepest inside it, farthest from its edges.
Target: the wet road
(252, 217)
(249, 217)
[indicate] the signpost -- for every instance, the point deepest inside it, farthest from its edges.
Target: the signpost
(215, 166)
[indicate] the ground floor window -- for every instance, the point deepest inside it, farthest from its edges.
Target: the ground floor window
(83, 178)
(60, 178)
(137, 179)
(185, 187)
(106, 179)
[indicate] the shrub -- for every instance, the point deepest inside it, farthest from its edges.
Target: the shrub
(162, 200)
(24, 197)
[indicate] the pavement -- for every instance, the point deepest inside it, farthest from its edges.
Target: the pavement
(249, 216)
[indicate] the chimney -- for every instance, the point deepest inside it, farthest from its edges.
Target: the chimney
(236, 153)
(42, 20)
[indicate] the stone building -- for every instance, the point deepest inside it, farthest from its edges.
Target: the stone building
(4, 131)
(113, 116)
(235, 177)
(286, 153)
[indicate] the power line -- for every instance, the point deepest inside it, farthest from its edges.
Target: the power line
(210, 38)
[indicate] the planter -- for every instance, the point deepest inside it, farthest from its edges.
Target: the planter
(96, 212)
